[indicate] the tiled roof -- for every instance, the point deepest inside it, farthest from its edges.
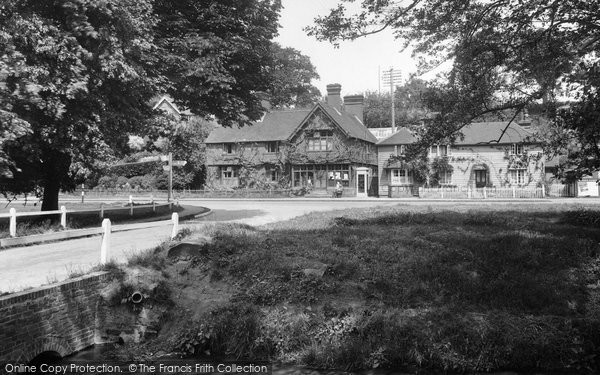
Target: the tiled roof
(474, 134)
(349, 123)
(489, 132)
(281, 125)
(402, 137)
(275, 126)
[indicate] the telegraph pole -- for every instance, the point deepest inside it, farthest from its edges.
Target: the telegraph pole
(392, 78)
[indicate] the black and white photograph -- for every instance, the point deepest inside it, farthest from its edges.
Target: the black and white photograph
(311, 187)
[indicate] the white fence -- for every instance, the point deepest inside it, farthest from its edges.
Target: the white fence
(13, 214)
(481, 193)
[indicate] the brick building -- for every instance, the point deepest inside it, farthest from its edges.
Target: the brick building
(315, 147)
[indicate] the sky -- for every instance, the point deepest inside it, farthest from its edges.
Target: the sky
(355, 65)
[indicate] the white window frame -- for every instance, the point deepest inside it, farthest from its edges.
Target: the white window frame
(445, 178)
(436, 150)
(517, 176)
(400, 177)
(516, 149)
(229, 173)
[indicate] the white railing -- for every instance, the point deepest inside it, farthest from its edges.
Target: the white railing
(13, 214)
(481, 193)
(107, 232)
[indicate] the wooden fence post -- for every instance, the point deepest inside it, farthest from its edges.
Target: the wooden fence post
(153, 206)
(543, 191)
(63, 217)
(175, 219)
(105, 247)
(514, 192)
(101, 210)
(484, 192)
(13, 222)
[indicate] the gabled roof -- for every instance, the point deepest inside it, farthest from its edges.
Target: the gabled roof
(474, 134)
(402, 137)
(349, 123)
(275, 126)
(158, 101)
(281, 125)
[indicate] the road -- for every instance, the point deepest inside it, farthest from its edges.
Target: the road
(41, 264)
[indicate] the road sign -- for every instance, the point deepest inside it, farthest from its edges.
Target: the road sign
(179, 163)
(150, 158)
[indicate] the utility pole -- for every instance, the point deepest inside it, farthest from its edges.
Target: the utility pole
(392, 78)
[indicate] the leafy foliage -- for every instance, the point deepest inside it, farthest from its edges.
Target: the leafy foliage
(505, 55)
(76, 77)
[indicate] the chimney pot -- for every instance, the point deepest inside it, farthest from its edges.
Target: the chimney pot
(354, 104)
(333, 95)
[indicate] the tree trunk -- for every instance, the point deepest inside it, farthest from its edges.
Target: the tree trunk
(51, 190)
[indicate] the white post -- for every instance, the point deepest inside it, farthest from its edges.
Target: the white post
(543, 191)
(105, 247)
(469, 194)
(63, 217)
(130, 205)
(130, 199)
(514, 192)
(484, 192)
(175, 219)
(153, 206)
(442, 192)
(101, 210)
(13, 222)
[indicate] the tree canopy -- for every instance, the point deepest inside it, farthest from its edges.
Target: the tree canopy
(505, 54)
(408, 105)
(76, 77)
(292, 74)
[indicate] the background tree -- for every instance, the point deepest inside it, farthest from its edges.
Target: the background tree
(409, 106)
(76, 77)
(292, 74)
(505, 55)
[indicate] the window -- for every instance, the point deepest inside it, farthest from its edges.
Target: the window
(445, 178)
(516, 149)
(228, 148)
(271, 174)
(321, 141)
(433, 151)
(439, 150)
(229, 172)
(443, 150)
(517, 176)
(400, 150)
(272, 147)
(401, 177)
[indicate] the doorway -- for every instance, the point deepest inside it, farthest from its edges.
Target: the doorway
(480, 178)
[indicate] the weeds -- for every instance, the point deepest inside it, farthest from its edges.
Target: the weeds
(455, 291)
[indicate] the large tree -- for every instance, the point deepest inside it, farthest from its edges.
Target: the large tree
(76, 76)
(292, 74)
(505, 54)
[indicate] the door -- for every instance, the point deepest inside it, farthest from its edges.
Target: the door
(362, 182)
(480, 178)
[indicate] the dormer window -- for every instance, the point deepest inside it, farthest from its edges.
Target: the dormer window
(400, 150)
(516, 149)
(272, 147)
(228, 148)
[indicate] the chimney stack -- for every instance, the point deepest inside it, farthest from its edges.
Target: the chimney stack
(354, 105)
(333, 95)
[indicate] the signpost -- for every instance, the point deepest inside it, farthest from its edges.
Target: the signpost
(168, 168)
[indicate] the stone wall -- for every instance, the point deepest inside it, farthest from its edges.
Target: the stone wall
(59, 318)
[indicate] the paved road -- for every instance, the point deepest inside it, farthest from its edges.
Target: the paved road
(41, 264)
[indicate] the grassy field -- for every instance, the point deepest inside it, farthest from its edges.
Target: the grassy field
(403, 288)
